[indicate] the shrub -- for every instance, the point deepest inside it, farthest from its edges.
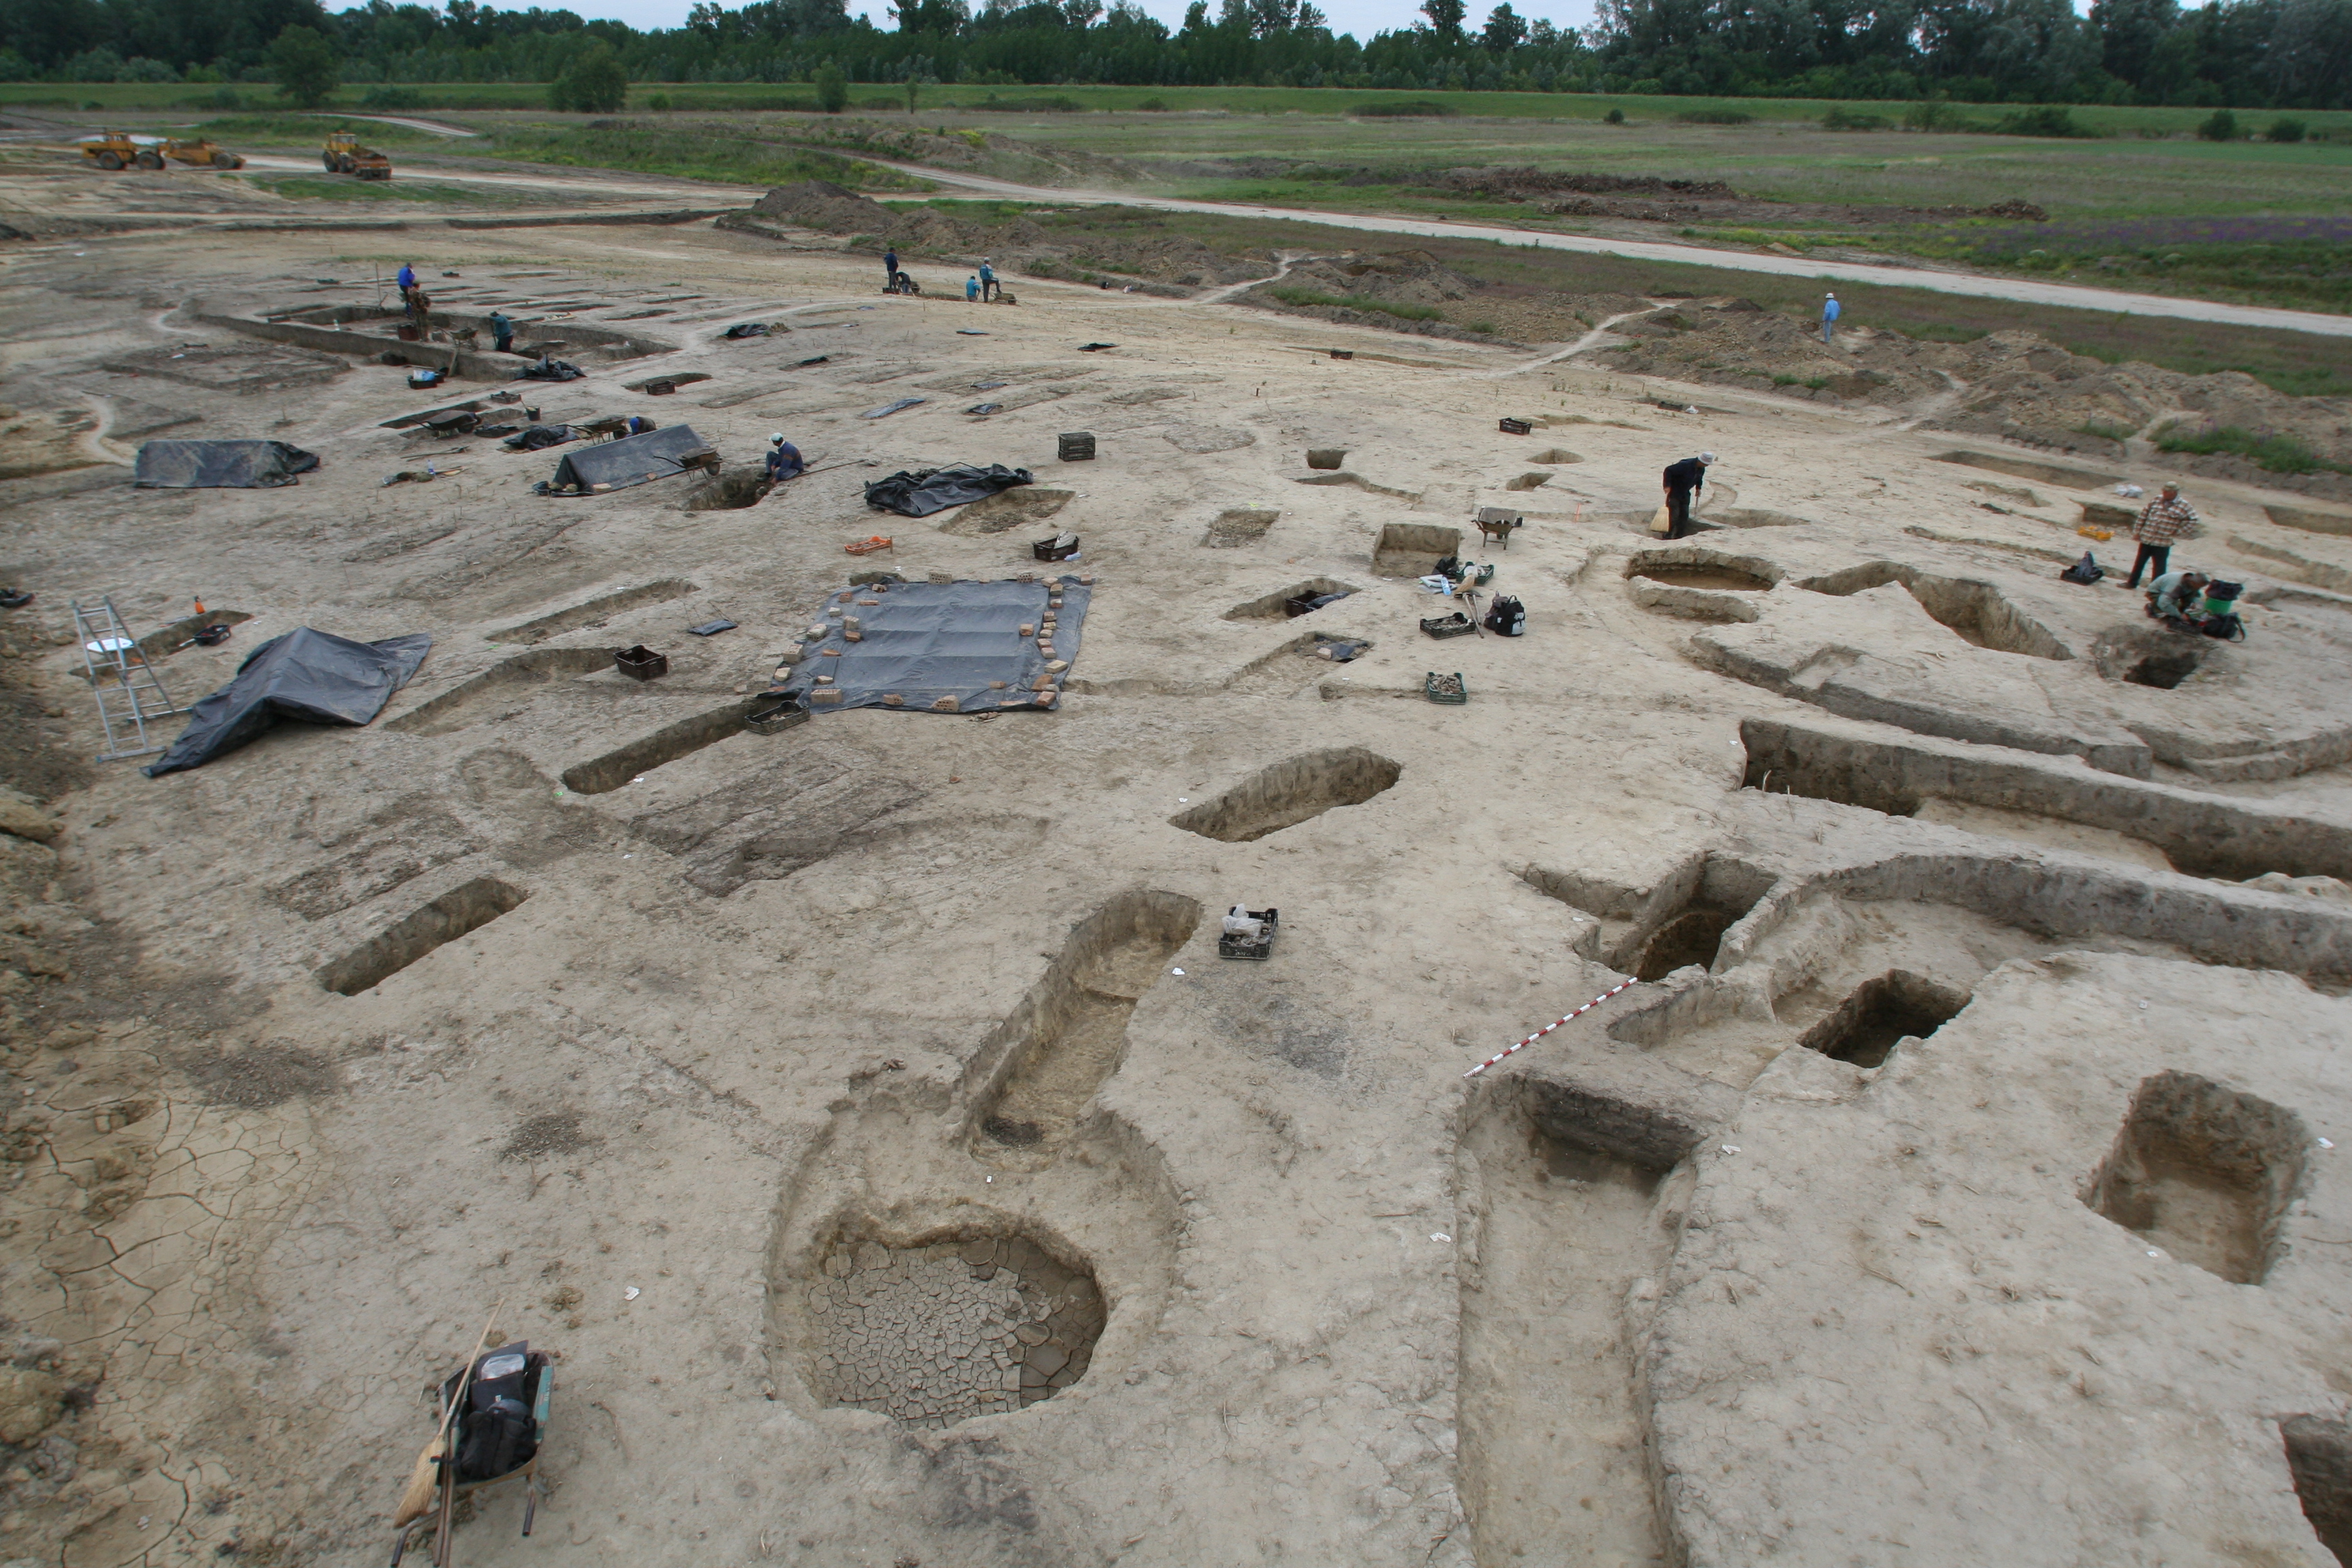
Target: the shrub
(2282, 130)
(1305, 298)
(2220, 126)
(303, 65)
(1840, 118)
(1403, 108)
(658, 103)
(596, 82)
(1154, 105)
(2042, 120)
(1614, 116)
(2279, 454)
(832, 90)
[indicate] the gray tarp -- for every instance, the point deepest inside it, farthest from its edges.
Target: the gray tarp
(221, 465)
(631, 461)
(927, 490)
(923, 641)
(311, 676)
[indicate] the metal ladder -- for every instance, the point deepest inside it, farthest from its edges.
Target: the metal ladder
(130, 694)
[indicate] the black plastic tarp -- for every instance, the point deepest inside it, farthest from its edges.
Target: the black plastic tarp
(311, 676)
(537, 437)
(549, 370)
(221, 465)
(631, 461)
(927, 490)
(924, 642)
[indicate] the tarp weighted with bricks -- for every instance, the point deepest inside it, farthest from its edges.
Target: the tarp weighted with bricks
(632, 460)
(927, 644)
(220, 465)
(310, 676)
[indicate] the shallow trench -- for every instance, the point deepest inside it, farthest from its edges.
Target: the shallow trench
(1290, 792)
(598, 775)
(468, 702)
(595, 611)
(444, 920)
(1554, 1470)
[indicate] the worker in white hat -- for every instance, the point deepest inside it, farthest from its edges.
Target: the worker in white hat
(784, 460)
(1831, 311)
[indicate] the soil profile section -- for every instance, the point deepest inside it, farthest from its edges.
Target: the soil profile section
(2319, 1456)
(1040, 1068)
(2209, 835)
(444, 920)
(1290, 792)
(598, 775)
(1973, 609)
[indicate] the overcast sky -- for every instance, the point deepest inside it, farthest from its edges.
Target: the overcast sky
(1361, 17)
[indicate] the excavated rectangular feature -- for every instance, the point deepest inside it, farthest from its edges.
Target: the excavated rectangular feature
(1290, 792)
(615, 768)
(2204, 1173)
(2319, 1453)
(594, 610)
(1864, 1028)
(444, 920)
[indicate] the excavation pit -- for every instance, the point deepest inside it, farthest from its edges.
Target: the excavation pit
(1413, 549)
(2204, 1172)
(1237, 526)
(598, 775)
(1557, 455)
(1290, 792)
(1023, 506)
(1278, 605)
(595, 612)
(2319, 1456)
(730, 491)
(930, 1335)
(1527, 482)
(2165, 670)
(1974, 610)
(1879, 1012)
(1045, 1061)
(444, 920)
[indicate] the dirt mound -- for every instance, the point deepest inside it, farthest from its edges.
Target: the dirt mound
(2015, 386)
(821, 203)
(1403, 278)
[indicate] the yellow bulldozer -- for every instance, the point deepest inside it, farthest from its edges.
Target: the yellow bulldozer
(120, 150)
(344, 156)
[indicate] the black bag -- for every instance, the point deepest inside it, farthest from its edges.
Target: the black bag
(1507, 616)
(497, 1433)
(2087, 570)
(2229, 628)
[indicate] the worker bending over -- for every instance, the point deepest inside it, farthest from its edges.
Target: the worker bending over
(1684, 480)
(2175, 597)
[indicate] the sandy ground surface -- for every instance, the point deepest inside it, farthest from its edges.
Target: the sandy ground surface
(862, 1113)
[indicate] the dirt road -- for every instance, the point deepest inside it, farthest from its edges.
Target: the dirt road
(2024, 291)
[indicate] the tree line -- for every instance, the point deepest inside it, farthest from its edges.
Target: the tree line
(2248, 53)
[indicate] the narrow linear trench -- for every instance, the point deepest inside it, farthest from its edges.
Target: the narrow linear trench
(598, 775)
(452, 915)
(595, 610)
(1069, 1033)
(1553, 1469)
(471, 701)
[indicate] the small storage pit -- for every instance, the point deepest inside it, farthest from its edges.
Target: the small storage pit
(2203, 1172)
(1237, 526)
(935, 1335)
(1413, 549)
(1881, 1011)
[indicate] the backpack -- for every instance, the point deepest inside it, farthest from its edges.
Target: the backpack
(2229, 628)
(1507, 616)
(2087, 570)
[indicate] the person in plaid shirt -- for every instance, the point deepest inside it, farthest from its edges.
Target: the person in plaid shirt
(2161, 521)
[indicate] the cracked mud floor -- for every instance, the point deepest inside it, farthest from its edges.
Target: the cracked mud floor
(861, 1113)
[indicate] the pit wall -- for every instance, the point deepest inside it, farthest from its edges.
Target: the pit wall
(457, 362)
(2203, 835)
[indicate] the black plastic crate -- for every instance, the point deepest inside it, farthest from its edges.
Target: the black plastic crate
(1077, 446)
(1242, 947)
(642, 662)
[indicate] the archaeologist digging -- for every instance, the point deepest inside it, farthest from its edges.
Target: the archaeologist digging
(1684, 480)
(2173, 597)
(502, 333)
(2162, 520)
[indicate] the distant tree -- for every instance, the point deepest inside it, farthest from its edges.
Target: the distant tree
(2219, 126)
(1444, 18)
(596, 82)
(304, 65)
(1505, 29)
(2285, 129)
(832, 90)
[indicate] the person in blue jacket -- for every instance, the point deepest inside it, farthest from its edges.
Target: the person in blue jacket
(1831, 311)
(783, 459)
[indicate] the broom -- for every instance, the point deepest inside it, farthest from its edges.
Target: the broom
(426, 1478)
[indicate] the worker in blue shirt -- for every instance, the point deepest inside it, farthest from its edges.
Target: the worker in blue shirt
(890, 270)
(988, 285)
(971, 291)
(407, 277)
(1829, 313)
(783, 459)
(501, 332)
